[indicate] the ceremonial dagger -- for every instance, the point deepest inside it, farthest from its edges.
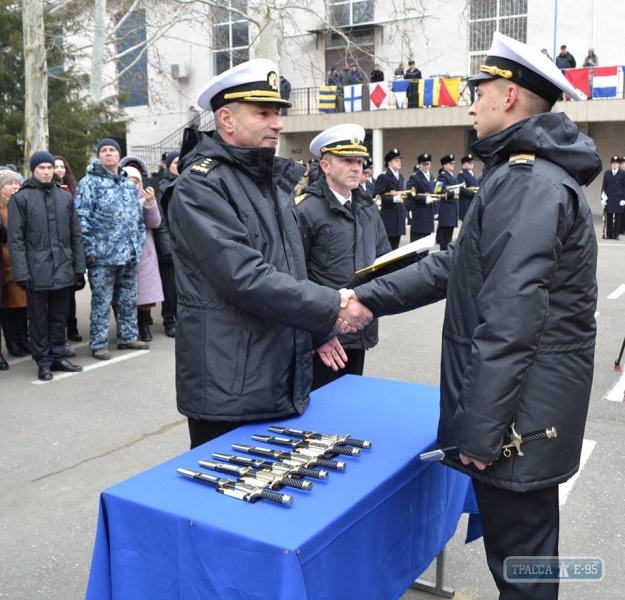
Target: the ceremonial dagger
(324, 438)
(300, 457)
(320, 448)
(275, 467)
(516, 440)
(256, 478)
(235, 489)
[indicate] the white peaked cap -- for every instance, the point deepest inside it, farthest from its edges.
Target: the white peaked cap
(251, 81)
(525, 66)
(346, 140)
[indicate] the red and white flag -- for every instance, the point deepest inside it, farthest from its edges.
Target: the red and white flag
(378, 96)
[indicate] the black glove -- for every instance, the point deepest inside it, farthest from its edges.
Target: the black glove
(25, 285)
(79, 281)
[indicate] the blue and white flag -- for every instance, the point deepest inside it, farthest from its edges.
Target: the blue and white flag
(353, 98)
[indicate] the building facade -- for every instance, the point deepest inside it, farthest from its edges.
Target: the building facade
(443, 37)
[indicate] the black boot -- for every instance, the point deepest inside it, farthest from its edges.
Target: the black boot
(143, 318)
(21, 330)
(9, 318)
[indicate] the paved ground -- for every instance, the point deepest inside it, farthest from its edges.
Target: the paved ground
(62, 442)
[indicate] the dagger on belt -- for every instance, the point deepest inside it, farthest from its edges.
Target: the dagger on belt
(514, 442)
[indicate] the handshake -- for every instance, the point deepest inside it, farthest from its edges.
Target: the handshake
(353, 316)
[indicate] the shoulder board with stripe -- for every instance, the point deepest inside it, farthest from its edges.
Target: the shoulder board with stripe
(522, 159)
(301, 198)
(203, 167)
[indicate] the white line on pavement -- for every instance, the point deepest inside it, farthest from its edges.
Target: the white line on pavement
(565, 488)
(98, 365)
(17, 361)
(617, 293)
(616, 393)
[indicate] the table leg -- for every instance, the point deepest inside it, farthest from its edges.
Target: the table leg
(438, 588)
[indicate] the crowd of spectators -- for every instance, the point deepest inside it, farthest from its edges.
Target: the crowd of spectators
(109, 224)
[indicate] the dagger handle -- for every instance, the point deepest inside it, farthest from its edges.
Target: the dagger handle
(314, 473)
(276, 497)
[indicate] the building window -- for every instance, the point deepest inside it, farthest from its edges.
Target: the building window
(231, 40)
(346, 13)
(132, 67)
(351, 47)
(487, 16)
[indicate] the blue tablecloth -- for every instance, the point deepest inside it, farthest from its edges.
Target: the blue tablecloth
(363, 534)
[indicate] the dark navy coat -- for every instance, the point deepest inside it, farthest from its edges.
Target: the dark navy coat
(520, 281)
(448, 209)
(422, 213)
(614, 188)
(393, 215)
(466, 196)
(245, 307)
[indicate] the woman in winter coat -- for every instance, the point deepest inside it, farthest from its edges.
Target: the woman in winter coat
(63, 173)
(149, 285)
(13, 311)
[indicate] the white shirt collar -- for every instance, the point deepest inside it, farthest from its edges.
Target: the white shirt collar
(340, 198)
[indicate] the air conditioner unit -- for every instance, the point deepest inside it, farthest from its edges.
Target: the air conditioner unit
(180, 71)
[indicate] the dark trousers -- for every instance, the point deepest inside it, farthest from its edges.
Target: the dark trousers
(169, 306)
(393, 240)
(201, 432)
(323, 375)
(613, 227)
(47, 319)
(414, 236)
(72, 323)
(519, 524)
(444, 236)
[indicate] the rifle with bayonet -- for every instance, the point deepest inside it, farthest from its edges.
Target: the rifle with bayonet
(323, 438)
(302, 457)
(274, 467)
(236, 489)
(262, 478)
(514, 442)
(314, 446)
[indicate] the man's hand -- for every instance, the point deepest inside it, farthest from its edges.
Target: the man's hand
(353, 316)
(604, 203)
(467, 461)
(332, 354)
(79, 281)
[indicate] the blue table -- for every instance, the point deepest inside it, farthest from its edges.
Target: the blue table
(366, 533)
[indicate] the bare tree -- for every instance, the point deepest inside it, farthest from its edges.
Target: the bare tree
(36, 135)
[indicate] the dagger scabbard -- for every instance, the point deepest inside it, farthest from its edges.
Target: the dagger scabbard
(235, 489)
(514, 441)
(325, 438)
(276, 467)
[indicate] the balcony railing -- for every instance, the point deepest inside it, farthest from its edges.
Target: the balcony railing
(306, 100)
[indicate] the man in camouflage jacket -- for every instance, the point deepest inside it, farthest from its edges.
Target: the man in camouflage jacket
(113, 235)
